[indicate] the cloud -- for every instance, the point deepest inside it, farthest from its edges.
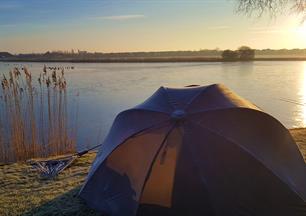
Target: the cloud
(121, 17)
(219, 27)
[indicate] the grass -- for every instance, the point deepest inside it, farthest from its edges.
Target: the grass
(22, 192)
(299, 135)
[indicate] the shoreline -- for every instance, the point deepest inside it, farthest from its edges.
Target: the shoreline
(154, 60)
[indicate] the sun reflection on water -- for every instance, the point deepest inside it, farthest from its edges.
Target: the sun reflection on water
(303, 96)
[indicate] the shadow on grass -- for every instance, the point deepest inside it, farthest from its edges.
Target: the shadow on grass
(70, 204)
(67, 204)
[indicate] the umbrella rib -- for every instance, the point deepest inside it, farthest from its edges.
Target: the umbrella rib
(252, 155)
(156, 155)
(150, 110)
(195, 97)
(220, 109)
(93, 170)
(152, 127)
(145, 110)
(169, 98)
(138, 133)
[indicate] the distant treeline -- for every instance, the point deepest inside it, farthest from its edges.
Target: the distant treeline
(281, 52)
(200, 55)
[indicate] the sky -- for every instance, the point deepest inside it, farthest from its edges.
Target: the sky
(140, 25)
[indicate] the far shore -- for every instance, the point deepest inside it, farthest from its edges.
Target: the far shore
(151, 60)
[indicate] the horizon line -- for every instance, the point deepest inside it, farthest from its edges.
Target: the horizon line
(76, 51)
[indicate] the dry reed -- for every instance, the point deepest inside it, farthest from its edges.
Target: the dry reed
(34, 117)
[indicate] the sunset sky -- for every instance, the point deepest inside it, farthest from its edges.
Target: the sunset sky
(143, 25)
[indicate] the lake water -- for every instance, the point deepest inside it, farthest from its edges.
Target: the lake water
(105, 89)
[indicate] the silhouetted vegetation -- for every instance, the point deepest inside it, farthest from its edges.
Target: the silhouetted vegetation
(204, 55)
(272, 7)
(244, 53)
(230, 55)
(5, 55)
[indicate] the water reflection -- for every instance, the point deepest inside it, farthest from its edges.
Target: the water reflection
(303, 95)
(106, 89)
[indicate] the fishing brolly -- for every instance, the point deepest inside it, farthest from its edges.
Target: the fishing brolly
(197, 151)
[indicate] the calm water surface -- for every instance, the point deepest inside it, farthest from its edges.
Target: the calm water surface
(105, 89)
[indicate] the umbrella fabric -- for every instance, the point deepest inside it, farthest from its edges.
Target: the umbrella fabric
(201, 150)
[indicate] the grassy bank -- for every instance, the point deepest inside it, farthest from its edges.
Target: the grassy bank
(22, 192)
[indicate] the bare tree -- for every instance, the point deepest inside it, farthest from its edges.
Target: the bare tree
(273, 7)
